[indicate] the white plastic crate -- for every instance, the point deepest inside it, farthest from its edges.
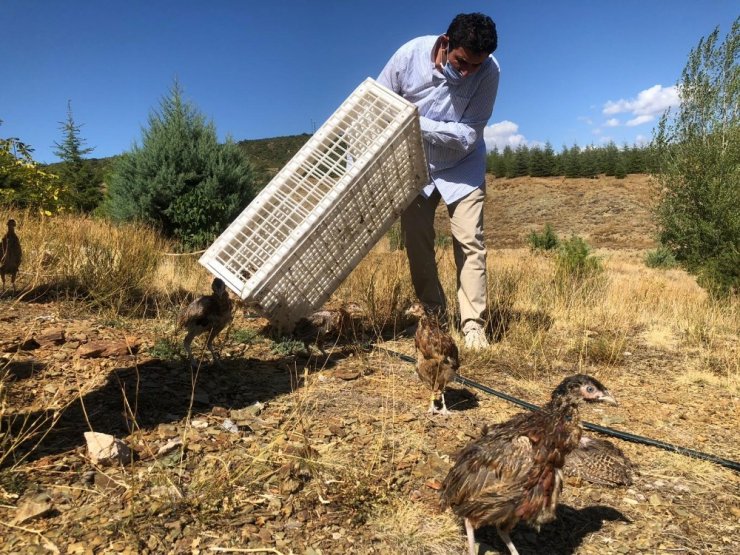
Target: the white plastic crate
(311, 225)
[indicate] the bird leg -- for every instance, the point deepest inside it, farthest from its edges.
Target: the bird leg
(432, 409)
(186, 343)
(470, 531)
(444, 411)
(209, 345)
(507, 540)
(433, 406)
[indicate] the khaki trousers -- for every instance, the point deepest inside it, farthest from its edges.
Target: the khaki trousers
(466, 222)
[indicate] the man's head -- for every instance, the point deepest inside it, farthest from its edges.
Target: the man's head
(475, 32)
(469, 41)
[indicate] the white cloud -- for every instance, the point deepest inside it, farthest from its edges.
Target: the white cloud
(639, 120)
(650, 102)
(612, 122)
(642, 140)
(503, 134)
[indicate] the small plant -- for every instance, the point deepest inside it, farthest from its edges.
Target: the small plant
(395, 238)
(662, 257)
(285, 346)
(575, 262)
(244, 335)
(545, 241)
(442, 240)
(606, 349)
(165, 349)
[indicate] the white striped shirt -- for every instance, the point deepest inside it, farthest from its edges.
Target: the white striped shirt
(452, 117)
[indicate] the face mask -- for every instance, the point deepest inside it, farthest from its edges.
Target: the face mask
(453, 76)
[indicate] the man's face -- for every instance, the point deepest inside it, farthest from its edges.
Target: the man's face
(466, 61)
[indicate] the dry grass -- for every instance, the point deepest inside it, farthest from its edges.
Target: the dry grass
(406, 527)
(116, 269)
(345, 464)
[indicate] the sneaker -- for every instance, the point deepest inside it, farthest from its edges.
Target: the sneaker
(475, 337)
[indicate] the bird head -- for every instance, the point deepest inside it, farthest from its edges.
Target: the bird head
(218, 286)
(11, 223)
(582, 387)
(416, 311)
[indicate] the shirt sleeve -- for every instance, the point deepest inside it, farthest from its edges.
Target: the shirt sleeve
(390, 77)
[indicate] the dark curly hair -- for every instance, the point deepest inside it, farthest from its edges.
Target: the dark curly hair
(474, 31)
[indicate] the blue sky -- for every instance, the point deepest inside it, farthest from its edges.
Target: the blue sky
(577, 71)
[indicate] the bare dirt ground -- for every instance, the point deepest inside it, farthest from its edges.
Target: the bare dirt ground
(277, 452)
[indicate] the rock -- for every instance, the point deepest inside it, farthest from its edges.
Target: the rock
(407, 417)
(21, 345)
(434, 484)
(290, 485)
(106, 449)
(169, 446)
(33, 507)
(108, 348)
(105, 482)
(346, 375)
(50, 337)
(247, 413)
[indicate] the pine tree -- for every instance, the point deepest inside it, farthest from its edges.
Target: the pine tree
(609, 159)
(537, 162)
(698, 164)
(180, 178)
(521, 161)
(81, 182)
(508, 161)
(550, 163)
(572, 161)
(495, 163)
(589, 166)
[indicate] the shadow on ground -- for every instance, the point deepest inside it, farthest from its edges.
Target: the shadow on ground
(460, 398)
(563, 536)
(21, 369)
(157, 392)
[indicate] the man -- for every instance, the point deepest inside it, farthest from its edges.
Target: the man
(453, 80)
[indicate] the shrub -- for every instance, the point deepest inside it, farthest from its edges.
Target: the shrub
(181, 179)
(697, 162)
(545, 241)
(661, 257)
(574, 261)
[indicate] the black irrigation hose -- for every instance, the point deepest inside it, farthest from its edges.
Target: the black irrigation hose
(626, 436)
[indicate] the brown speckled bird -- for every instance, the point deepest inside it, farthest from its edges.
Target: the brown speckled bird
(322, 326)
(207, 314)
(513, 472)
(10, 254)
(599, 461)
(437, 356)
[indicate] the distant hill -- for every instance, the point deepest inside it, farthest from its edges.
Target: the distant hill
(269, 155)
